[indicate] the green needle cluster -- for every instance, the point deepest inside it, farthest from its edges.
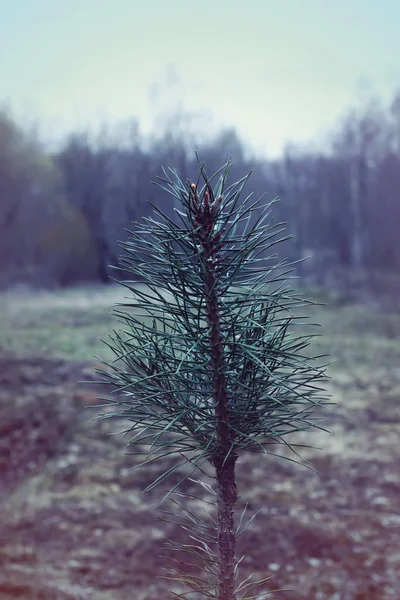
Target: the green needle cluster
(211, 360)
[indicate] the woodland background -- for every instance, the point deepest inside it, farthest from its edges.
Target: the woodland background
(63, 210)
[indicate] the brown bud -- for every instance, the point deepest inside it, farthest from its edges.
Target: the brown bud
(206, 200)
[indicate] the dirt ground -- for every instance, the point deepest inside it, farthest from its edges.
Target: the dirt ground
(76, 525)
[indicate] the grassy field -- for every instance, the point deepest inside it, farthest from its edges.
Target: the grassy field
(75, 523)
(70, 325)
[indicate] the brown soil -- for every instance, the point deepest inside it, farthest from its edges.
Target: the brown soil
(76, 525)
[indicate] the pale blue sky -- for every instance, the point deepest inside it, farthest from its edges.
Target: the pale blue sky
(275, 69)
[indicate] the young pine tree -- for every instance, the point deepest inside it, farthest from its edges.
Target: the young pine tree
(209, 364)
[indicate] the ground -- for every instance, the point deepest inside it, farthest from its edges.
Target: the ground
(75, 523)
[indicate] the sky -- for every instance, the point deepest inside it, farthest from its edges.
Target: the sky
(276, 70)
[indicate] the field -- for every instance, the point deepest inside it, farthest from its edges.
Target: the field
(74, 521)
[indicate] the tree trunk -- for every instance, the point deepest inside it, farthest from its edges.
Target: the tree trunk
(226, 498)
(224, 457)
(357, 249)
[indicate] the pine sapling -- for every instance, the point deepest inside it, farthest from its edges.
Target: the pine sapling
(209, 364)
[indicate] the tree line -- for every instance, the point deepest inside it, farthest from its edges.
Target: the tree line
(62, 213)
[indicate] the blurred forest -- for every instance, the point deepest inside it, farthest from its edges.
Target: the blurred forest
(63, 212)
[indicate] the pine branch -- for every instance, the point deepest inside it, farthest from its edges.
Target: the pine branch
(209, 363)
